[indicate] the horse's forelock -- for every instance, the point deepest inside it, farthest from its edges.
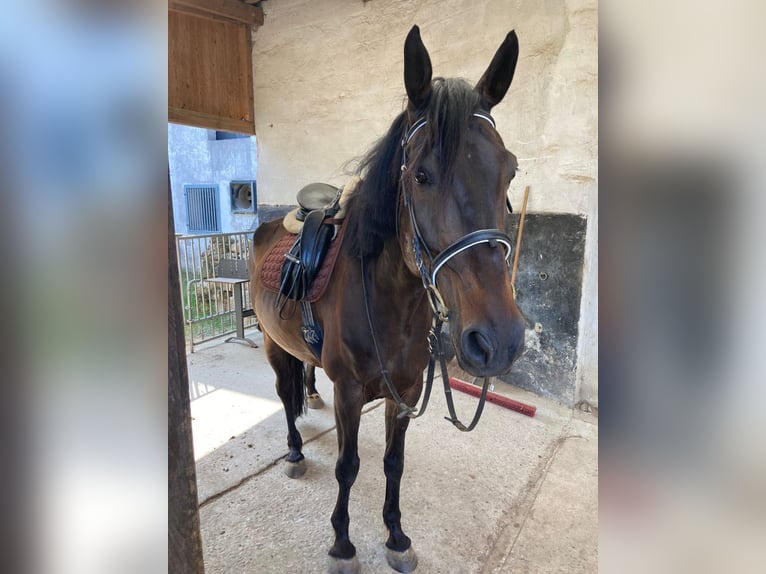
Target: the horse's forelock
(452, 102)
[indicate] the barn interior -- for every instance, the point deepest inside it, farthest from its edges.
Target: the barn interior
(313, 85)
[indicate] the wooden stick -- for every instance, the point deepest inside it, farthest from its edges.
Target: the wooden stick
(518, 236)
(506, 402)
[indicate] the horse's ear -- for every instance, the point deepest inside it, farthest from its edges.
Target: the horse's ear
(417, 69)
(497, 79)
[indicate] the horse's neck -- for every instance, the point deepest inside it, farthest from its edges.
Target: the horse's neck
(393, 277)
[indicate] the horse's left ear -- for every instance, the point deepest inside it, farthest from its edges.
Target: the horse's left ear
(497, 79)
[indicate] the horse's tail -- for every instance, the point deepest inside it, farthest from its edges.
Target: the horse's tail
(296, 374)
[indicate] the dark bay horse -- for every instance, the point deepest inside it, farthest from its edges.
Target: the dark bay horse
(423, 239)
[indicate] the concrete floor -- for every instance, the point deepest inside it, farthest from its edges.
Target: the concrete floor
(518, 494)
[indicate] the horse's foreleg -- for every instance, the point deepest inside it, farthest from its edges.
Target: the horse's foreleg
(348, 411)
(399, 552)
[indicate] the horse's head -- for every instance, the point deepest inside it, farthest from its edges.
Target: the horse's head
(455, 175)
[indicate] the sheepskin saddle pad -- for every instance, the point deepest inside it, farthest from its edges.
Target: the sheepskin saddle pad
(319, 196)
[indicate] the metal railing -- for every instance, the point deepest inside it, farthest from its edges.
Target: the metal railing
(209, 307)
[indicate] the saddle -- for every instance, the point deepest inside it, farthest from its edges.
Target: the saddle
(318, 196)
(317, 203)
(305, 268)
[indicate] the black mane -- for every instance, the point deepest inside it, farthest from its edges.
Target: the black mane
(373, 207)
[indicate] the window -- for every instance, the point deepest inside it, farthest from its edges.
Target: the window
(219, 135)
(202, 208)
(242, 194)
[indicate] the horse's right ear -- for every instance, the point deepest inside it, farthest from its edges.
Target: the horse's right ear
(417, 69)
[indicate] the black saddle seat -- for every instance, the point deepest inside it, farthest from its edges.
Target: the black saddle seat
(316, 196)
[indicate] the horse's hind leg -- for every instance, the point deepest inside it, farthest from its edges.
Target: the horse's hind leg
(313, 397)
(289, 371)
(399, 553)
(348, 412)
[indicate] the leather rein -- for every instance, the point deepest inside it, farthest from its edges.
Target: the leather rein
(428, 273)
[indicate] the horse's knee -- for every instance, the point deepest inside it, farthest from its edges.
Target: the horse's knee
(346, 470)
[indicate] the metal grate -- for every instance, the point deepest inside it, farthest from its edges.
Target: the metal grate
(209, 307)
(202, 208)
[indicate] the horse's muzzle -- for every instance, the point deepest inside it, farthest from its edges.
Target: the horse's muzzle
(487, 352)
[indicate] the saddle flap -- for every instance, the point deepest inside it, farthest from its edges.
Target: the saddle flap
(315, 239)
(303, 261)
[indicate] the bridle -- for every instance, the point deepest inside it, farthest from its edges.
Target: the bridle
(419, 245)
(428, 274)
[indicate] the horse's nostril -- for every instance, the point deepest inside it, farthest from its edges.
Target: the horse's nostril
(478, 347)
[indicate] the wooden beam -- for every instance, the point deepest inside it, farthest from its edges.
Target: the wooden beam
(229, 9)
(210, 121)
(184, 541)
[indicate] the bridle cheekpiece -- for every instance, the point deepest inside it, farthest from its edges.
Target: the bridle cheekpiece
(419, 245)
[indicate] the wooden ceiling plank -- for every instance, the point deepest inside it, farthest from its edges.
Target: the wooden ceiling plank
(209, 121)
(231, 9)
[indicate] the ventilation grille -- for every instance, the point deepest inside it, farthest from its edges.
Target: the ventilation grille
(202, 209)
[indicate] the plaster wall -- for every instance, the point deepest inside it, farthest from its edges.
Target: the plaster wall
(328, 83)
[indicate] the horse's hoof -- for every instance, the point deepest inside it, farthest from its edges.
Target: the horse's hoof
(405, 561)
(295, 469)
(343, 565)
(315, 401)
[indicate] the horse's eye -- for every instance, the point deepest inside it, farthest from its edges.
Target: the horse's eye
(421, 177)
